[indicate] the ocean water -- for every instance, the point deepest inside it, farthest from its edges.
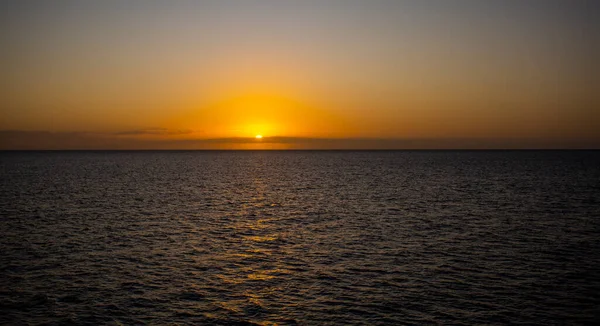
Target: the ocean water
(300, 238)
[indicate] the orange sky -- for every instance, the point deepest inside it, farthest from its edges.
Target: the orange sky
(187, 75)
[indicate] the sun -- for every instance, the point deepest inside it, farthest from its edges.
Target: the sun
(258, 136)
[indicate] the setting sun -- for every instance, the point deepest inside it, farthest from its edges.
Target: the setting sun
(216, 75)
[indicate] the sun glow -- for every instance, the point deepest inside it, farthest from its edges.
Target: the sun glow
(261, 116)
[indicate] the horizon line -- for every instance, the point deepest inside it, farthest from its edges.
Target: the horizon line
(318, 150)
(49, 140)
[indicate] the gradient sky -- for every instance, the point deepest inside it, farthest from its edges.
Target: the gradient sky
(191, 74)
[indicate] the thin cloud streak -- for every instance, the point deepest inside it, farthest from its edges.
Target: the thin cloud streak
(155, 132)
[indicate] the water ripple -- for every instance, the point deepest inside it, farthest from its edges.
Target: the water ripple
(299, 238)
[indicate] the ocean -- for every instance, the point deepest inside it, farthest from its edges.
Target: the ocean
(300, 237)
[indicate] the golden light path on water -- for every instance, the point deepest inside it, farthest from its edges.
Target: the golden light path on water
(252, 266)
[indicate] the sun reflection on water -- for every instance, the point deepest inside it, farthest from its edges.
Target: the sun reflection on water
(256, 236)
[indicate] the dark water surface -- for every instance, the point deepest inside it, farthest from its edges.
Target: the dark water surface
(308, 238)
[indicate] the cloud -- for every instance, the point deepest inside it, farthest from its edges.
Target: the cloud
(154, 132)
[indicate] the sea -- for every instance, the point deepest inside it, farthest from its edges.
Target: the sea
(300, 238)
